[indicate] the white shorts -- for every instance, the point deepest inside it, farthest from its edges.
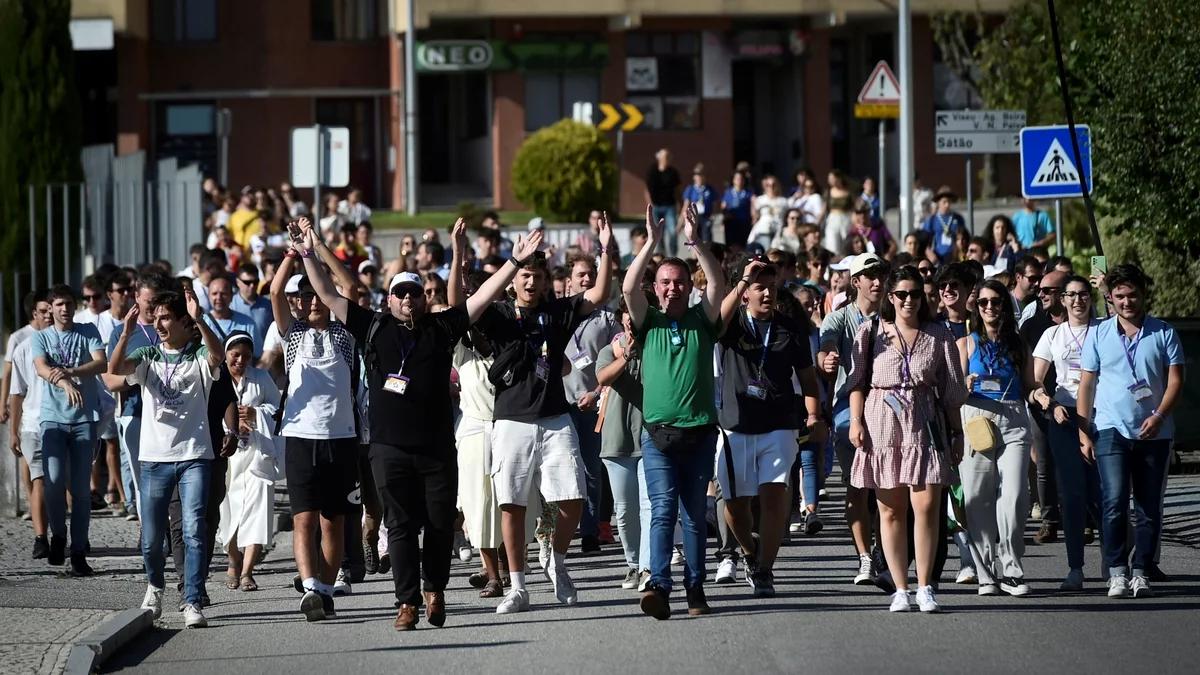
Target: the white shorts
(546, 450)
(757, 459)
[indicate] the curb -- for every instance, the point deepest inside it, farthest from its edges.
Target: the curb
(89, 651)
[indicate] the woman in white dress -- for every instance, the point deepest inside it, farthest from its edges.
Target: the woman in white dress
(246, 512)
(768, 209)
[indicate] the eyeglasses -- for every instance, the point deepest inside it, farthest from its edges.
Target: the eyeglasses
(1072, 296)
(1049, 290)
(903, 296)
(990, 302)
(248, 282)
(122, 290)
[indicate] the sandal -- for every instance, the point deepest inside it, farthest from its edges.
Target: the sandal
(231, 580)
(248, 583)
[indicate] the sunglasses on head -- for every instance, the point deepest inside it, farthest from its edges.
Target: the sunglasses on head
(990, 302)
(903, 296)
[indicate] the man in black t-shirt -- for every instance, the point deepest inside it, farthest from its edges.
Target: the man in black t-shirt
(407, 354)
(533, 434)
(662, 190)
(758, 408)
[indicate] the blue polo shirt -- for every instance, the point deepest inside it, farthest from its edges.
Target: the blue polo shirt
(259, 311)
(1031, 226)
(703, 197)
(1108, 354)
(236, 322)
(69, 349)
(144, 336)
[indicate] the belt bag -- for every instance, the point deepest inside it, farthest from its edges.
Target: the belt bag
(669, 439)
(982, 434)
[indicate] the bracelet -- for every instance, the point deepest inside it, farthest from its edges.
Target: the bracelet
(859, 418)
(291, 253)
(605, 250)
(691, 244)
(306, 254)
(517, 263)
(745, 280)
(1156, 413)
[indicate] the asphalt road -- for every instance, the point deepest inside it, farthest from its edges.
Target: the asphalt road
(819, 622)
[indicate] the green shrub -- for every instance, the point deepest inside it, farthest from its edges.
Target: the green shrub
(565, 170)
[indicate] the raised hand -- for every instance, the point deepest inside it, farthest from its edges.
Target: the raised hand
(527, 246)
(752, 270)
(194, 310)
(654, 229)
(691, 229)
(458, 238)
(607, 241)
(131, 317)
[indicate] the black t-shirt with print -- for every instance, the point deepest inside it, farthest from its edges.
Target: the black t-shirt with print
(520, 336)
(422, 418)
(741, 356)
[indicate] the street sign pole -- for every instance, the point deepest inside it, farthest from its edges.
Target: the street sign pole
(1058, 227)
(410, 110)
(880, 188)
(320, 173)
(970, 200)
(906, 116)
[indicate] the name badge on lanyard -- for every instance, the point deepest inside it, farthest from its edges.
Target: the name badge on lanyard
(396, 383)
(759, 386)
(1140, 388)
(541, 368)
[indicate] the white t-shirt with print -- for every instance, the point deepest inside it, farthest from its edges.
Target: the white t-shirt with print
(25, 383)
(1062, 345)
(175, 387)
(321, 376)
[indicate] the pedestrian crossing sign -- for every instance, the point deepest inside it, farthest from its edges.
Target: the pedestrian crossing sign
(1048, 166)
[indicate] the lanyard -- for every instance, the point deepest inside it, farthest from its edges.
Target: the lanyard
(766, 346)
(906, 354)
(406, 348)
(942, 220)
(151, 336)
(169, 373)
(541, 319)
(989, 355)
(220, 329)
(1131, 348)
(676, 336)
(1075, 337)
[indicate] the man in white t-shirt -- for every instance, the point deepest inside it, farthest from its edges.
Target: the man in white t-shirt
(25, 437)
(175, 446)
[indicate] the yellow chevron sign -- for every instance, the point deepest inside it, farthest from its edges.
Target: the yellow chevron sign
(633, 117)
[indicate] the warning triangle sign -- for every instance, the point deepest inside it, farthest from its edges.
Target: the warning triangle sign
(1056, 168)
(881, 86)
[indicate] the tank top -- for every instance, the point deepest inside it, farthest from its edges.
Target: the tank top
(997, 378)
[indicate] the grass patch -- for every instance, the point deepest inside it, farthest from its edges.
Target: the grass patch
(440, 220)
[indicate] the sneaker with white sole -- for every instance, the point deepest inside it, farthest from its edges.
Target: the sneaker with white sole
(517, 600)
(1139, 587)
(900, 602)
(643, 581)
(927, 601)
(312, 607)
(966, 575)
(462, 546)
(545, 553)
(564, 588)
(677, 558)
(866, 570)
(193, 617)
(1073, 582)
(631, 580)
(1014, 586)
(1118, 586)
(727, 571)
(989, 589)
(341, 585)
(153, 600)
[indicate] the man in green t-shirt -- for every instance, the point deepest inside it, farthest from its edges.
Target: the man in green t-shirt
(679, 439)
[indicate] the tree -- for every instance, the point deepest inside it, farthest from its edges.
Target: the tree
(40, 119)
(565, 170)
(1132, 67)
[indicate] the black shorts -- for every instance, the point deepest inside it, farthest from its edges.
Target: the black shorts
(322, 475)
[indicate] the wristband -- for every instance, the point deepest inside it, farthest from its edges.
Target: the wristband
(691, 244)
(745, 280)
(291, 253)
(517, 263)
(605, 250)
(1156, 413)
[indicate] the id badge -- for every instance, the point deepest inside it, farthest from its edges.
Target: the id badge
(396, 383)
(947, 239)
(1074, 371)
(990, 384)
(542, 369)
(699, 207)
(757, 391)
(581, 360)
(894, 403)
(1140, 390)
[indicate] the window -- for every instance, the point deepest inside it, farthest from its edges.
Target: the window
(662, 77)
(185, 20)
(187, 132)
(348, 19)
(550, 96)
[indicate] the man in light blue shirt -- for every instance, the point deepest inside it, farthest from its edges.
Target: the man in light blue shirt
(1033, 226)
(68, 357)
(248, 301)
(223, 320)
(1132, 370)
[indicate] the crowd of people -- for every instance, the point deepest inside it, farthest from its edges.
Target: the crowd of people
(510, 393)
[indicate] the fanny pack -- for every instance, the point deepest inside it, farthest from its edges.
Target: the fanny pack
(669, 439)
(982, 434)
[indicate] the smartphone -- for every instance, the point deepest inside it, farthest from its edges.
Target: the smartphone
(1099, 265)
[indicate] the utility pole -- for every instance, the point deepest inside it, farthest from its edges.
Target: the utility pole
(410, 110)
(906, 117)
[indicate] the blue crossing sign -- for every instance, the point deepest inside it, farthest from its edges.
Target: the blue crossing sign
(1048, 168)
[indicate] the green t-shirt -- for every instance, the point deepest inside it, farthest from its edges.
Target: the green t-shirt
(677, 368)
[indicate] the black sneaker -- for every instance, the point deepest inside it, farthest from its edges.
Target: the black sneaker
(812, 523)
(57, 554)
(697, 603)
(385, 563)
(79, 566)
(654, 603)
(370, 558)
(298, 584)
(327, 605)
(589, 544)
(764, 584)
(41, 547)
(312, 606)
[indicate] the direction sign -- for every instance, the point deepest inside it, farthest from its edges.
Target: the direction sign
(633, 117)
(977, 132)
(1048, 167)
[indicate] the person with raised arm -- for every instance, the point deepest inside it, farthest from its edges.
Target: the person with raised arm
(679, 438)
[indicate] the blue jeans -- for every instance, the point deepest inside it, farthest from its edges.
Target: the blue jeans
(67, 451)
(1078, 487)
(670, 239)
(589, 449)
(1126, 464)
(159, 480)
(129, 429)
(631, 508)
(676, 480)
(809, 473)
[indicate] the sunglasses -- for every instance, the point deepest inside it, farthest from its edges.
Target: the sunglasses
(123, 290)
(949, 286)
(1049, 290)
(903, 296)
(403, 292)
(248, 282)
(92, 298)
(990, 302)
(1034, 279)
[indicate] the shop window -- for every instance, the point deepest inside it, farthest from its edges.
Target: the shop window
(662, 78)
(187, 132)
(185, 20)
(347, 20)
(549, 97)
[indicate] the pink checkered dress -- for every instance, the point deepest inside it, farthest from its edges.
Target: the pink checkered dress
(898, 449)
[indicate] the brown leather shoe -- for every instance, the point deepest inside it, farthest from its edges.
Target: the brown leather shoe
(407, 617)
(435, 608)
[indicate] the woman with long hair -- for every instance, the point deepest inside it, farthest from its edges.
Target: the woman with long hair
(904, 425)
(999, 377)
(839, 201)
(1005, 246)
(768, 209)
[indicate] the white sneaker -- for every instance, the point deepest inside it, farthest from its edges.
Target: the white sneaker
(1073, 582)
(966, 575)
(153, 600)
(341, 586)
(1014, 587)
(193, 617)
(866, 571)
(517, 600)
(631, 580)
(900, 602)
(677, 558)
(727, 571)
(989, 589)
(545, 553)
(1035, 512)
(926, 600)
(564, 588)
(463, 548)
(643, 580)
(1118, 586)
(1140, 588)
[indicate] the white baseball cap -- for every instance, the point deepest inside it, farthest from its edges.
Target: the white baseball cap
(863, 262)
(536, 223)
(405, 278)
(293, 284)
(364, 265)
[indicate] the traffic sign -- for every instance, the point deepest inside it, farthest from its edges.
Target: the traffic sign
(881, 86)
(1048, 167)
(633, 117)
(332, 153)
(977, 132)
